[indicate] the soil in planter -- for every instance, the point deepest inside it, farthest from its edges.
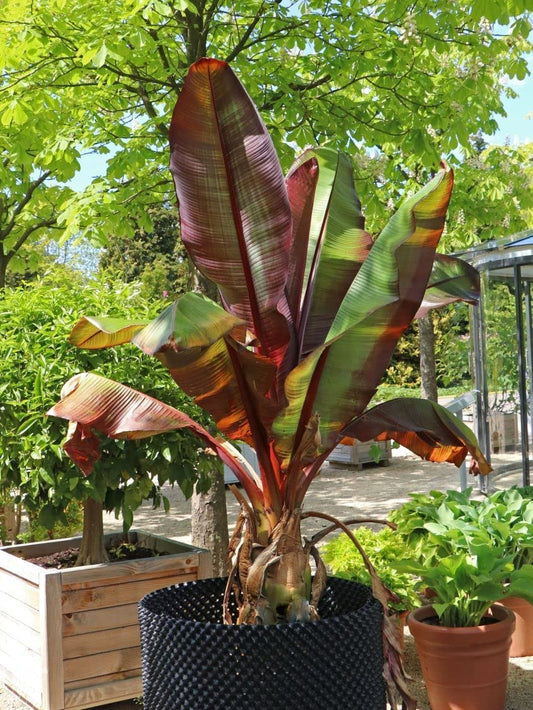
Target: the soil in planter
(119, 553)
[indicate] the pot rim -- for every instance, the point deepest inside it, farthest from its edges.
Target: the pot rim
(417, 616)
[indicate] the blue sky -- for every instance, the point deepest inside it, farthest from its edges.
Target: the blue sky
(517, 127)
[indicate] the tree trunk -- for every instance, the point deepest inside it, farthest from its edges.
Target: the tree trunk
(3, 269)
(210, 523)
(92, 549)
(427, 358)
(10, 519)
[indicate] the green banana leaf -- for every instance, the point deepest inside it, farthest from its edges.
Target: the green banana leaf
(339, 378)
(451, 280)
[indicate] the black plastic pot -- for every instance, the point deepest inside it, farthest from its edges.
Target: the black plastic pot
(191, 660)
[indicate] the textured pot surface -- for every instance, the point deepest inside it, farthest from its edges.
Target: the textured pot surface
(464, 668)
(522, 641)
(192, 660)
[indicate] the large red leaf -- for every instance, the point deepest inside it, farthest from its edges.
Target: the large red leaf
(234, 212)
(93, 403)
(424, 427)
(201, 345)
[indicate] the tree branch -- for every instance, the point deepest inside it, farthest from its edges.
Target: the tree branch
(23, 202)
(25, 235)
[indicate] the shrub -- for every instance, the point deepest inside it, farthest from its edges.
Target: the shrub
(382, 547)
(36, 359)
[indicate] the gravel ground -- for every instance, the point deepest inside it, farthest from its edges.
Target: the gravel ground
(343, 492)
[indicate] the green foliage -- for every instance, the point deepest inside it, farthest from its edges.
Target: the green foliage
(383, 549)
(452, 351)
(453, 347)
(469, 553)
(404, 370)
(466, 583)
(501, 345)
(155, 258)
(494, 195)
(36, 359)
(415, 82)
(72, 524)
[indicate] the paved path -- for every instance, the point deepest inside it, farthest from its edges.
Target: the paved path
(342, 491)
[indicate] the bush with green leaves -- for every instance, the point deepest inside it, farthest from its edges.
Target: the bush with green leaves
(382, 547)
(469, 553)
(506, 516)
(36, 359)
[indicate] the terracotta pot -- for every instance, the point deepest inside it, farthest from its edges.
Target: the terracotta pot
(522, 641)
(464, 668)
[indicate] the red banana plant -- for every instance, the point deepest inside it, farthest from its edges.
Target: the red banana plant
(312, 309)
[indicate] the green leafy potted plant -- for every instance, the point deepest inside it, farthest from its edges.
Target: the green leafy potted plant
(463, 637)
(312, 308)
(505, 516)
(70, 636)
(510, 515)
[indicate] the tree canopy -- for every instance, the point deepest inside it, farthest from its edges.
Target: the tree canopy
(412, 80)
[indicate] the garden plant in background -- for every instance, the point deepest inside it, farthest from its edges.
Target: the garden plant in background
(34, 471)
(313, 307)
(383, 548)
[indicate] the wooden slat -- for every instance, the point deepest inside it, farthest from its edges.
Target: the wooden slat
(100, 664)
(18, 566)
(205, 564)
(18, 611)
(107, 679)
(101, 641)
(15, 626)
(19, 660)
(112, 595)
(173, 574)
(19, 589)
(52, 636)
(84, 622)
(167, 545)
(112, 691)
(75, 575)
(44, 547)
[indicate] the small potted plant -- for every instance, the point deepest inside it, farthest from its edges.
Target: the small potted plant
(506, 516)
(312, 309)
(463, 636)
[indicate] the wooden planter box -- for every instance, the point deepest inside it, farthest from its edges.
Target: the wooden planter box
(360, 453)
(70, 638)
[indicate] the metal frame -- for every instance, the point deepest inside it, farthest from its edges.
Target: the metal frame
(511, 261)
